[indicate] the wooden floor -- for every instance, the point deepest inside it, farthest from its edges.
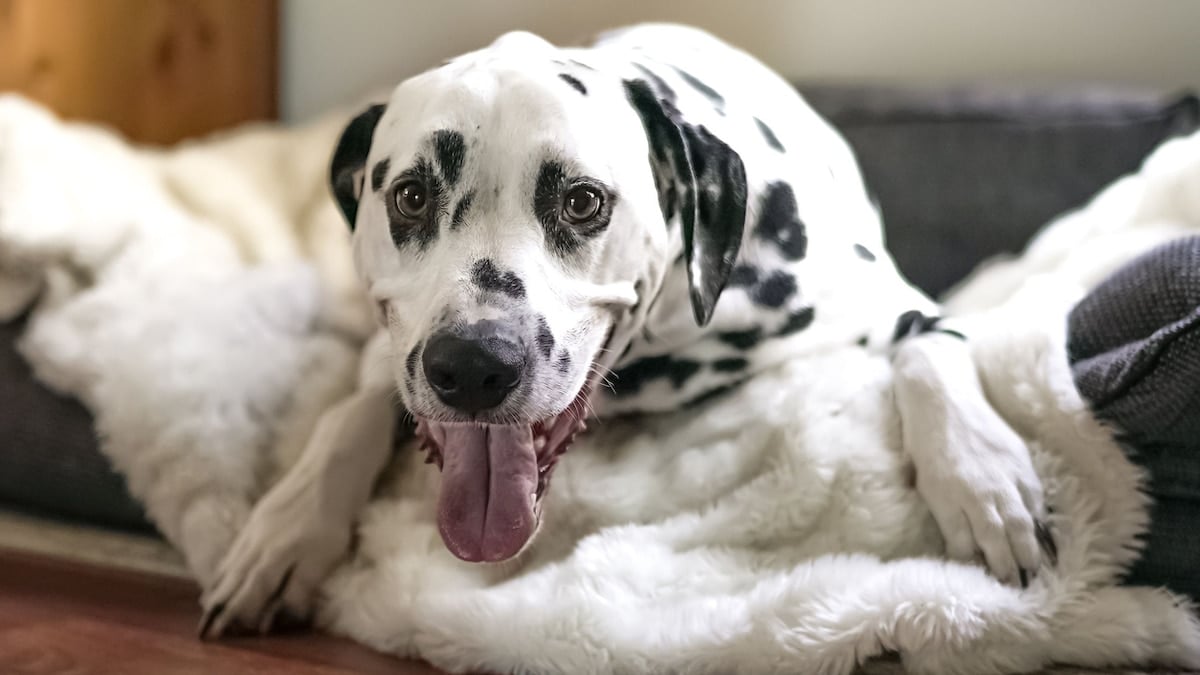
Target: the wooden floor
(62, 618)
(59, 617)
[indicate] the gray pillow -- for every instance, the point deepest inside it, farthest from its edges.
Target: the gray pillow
(963, 174)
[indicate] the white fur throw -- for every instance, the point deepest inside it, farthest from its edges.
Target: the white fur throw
(201, 302)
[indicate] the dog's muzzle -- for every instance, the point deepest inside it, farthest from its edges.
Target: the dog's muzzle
(493, 475)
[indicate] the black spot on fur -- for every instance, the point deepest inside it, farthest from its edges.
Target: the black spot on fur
(797, 321)
(545, 338)
(743, 275)
(547, 197)
(562, 363)
(581, 65)
(862, 341)
(574, 82)
(379, 173)
(487, 276)
(425, 229)
(708, 92)
(779, 223)
(731, 365)
(864, 253)
(768, 135)
(451, 152)
(630, 379)
(742, 339)
(913, 322)
(712, 394)
(775, 290)
(460, 211)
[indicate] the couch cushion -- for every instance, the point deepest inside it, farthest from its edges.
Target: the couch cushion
(963, 174)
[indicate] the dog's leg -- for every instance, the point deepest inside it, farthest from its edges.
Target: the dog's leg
(302, 527)
(973, 470)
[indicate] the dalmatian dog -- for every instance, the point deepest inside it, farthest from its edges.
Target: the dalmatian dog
(551, 234)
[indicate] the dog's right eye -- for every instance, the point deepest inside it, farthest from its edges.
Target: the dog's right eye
(582, 204)
(410, 198)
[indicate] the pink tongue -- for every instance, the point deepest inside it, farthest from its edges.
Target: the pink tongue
(489, 476)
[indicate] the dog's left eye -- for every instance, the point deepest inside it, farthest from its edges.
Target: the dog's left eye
(581, 204)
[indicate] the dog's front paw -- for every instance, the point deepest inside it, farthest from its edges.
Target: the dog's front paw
(985, 495)
(973, 470)
(279, 559)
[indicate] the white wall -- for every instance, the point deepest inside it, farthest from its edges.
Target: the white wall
(336, 49)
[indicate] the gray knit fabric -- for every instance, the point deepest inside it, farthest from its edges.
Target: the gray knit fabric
(1134, 348)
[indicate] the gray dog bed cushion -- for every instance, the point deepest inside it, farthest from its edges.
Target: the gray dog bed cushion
(48, 451)
(960, 175)
(964, 174)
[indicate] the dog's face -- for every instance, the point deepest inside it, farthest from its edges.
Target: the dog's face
(507, 224)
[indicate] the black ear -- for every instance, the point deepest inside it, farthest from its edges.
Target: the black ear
(347, 169)
(705, 179)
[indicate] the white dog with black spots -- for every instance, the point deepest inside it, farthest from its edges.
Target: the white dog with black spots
(639, 227)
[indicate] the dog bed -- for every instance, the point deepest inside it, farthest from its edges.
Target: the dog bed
(201, 304)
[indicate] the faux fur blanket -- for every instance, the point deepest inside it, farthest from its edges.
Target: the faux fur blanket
(201, 302)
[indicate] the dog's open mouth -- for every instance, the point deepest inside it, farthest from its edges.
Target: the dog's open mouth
(494, 477)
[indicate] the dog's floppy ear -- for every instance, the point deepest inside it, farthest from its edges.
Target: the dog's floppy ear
(347, 170)
(698, 174)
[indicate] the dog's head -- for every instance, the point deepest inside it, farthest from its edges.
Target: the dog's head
(509, 215)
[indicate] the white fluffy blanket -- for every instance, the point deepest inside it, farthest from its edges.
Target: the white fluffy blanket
(200, 301)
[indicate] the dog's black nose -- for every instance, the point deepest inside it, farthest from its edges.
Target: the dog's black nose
(472, 375)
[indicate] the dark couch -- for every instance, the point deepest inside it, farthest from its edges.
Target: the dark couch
(958, 174)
